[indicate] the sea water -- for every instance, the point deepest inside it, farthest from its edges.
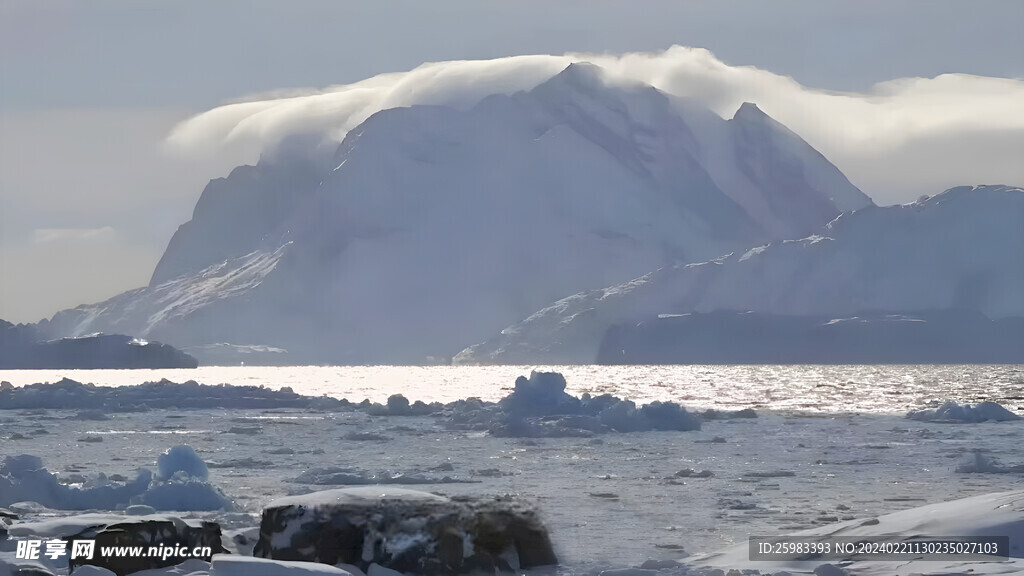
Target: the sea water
(813, 388)
(829, 443)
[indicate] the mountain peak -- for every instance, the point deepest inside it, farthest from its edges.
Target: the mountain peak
(582, 75)
(579, 80)
(749, 111)
(778, 156)
(591, 81)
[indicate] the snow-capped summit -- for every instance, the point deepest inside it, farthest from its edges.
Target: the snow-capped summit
(789, 172)
(433, 227)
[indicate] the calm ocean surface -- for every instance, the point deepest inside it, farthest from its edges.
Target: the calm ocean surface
(879, 388)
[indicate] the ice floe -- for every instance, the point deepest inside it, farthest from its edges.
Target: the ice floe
(180, 485)
(953, 412)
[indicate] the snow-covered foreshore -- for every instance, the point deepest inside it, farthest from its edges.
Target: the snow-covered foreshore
(610, 499)
(987, 516)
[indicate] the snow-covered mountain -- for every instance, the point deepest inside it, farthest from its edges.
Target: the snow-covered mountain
(962, 249)
(431, 228)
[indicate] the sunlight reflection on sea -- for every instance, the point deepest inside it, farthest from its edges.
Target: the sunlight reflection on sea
(815, 388)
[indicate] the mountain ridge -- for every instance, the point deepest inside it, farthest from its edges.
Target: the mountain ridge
(429, 228)
(960, 249)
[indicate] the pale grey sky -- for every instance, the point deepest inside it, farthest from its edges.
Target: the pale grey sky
(88, 91)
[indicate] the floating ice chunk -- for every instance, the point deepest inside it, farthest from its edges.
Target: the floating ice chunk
(540, 395)
(350, 568)
(224, 565)
(185, 495)
(829, 570)
(91, 414)
(337, 476)
(378, 570)
(630, 572)
(17, 465)
(182, 458)
(625, 417)
(978, 462)
(953, 412)
(247, 462)
(652, 564)
(24, 479)
(691, 473)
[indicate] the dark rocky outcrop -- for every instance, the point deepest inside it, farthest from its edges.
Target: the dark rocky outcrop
(405, 530)
(21, 350)
(149, 532)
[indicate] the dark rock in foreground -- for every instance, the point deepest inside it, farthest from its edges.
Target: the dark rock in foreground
(19, 350)
(405, 530)
(168, 533)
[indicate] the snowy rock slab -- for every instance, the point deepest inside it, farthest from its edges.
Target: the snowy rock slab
(404, 530)
(953, 412)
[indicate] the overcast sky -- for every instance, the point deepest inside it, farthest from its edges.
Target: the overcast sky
(89, 91)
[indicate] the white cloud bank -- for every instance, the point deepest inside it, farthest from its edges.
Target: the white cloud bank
(905, 137)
